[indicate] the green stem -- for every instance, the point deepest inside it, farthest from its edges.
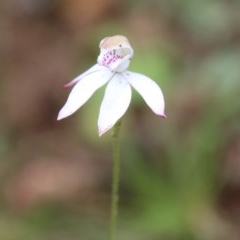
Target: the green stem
(115, 181)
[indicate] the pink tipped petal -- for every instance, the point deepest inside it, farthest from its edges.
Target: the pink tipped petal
(149, 90)
(115, 103)
(83, 90)
(164, 116)
(93, 69)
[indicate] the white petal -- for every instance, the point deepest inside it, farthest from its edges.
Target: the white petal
(94, 68)
(83, 90)
(149, 90)
(115, 103)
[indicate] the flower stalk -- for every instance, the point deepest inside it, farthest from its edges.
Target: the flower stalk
(115, 181)
(111, 69)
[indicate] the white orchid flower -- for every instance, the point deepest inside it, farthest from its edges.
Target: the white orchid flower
(111, 67)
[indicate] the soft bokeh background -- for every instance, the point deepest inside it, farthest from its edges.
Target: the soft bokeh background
(180, 177)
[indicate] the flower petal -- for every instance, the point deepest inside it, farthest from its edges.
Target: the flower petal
(94, 68)
(83, 90)
(115, 102)
(149, 90)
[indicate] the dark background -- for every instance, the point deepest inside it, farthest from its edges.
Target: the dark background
(180, 177)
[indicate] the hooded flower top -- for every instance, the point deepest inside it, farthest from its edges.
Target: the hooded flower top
(115, 53)
(111, 67)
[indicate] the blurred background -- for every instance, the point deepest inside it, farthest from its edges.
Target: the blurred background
(180, 177)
